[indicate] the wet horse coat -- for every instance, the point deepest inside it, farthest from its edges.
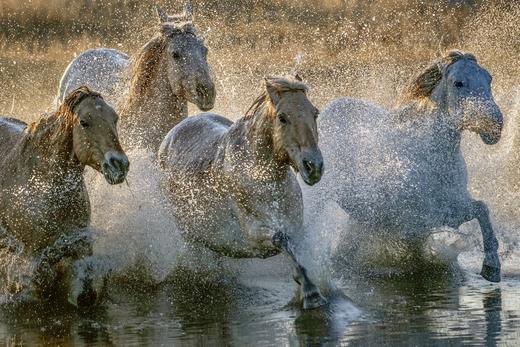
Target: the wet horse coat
(231, 184)
(403, 171)
(44, 205)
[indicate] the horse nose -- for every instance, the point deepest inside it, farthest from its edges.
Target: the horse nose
(493, 122)
(118, 163)
(206, 95)
(314, 167)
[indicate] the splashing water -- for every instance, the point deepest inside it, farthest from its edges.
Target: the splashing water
(137, 225)
(350, 249)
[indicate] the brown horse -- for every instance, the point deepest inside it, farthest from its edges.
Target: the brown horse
(232, 187)
(44, 206)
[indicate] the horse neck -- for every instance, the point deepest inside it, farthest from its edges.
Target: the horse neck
(149, 115)
(434, 125)
(258, 131)
(48, 147)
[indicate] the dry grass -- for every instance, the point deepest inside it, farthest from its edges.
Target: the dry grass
(360, 48)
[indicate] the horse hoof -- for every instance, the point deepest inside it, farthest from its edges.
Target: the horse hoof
(490, 273)
(313, 300)
(87, 297)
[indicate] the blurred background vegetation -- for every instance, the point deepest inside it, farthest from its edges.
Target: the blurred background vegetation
(361, 48)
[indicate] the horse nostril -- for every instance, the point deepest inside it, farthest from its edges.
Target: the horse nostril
(118, 163)
(308, 165)
(201, 90)
(113, 162)
(320, 167)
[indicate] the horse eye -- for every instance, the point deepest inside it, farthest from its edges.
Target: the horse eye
(283, 118)
(84, 124)
(458, 84)
(176, 55)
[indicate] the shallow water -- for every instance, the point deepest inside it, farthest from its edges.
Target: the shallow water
(418, 310)
(249, 302)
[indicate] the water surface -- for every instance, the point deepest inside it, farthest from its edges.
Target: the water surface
(256, 311)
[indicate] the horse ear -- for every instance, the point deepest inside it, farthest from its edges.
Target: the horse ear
(273, 92)
(163, 17)
(168, 30)
(188, 10)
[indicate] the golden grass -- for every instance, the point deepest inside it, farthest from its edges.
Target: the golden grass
(360, 48)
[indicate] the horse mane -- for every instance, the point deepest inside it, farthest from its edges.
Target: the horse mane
(423, 84)
(145, 65)
(74, 98)
(64, 116)
(281, 84)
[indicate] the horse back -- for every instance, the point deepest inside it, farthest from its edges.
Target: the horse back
(192, 145)
(100, 69)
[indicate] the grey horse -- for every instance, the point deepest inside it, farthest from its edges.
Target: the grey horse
(404, 171)
(231, 184)
(151, 90)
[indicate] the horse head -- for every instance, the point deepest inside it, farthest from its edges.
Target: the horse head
(188, 71)
(462, 88)
(295, 133)
(95, 139)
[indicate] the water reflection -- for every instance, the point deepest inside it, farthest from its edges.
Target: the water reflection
(493, 310)
(416, 310)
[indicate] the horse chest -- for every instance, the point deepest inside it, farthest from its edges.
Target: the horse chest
(37, 211)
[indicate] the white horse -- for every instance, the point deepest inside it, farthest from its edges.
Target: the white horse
(231, 184)
(151, 90)
(404, 171)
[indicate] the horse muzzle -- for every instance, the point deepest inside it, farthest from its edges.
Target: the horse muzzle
(205, 96)
(491, 129)
(487, 120)
(115, 167)
(491, 137)
(311, 169)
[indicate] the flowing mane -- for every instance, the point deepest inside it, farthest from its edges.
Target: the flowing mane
(282, 84)
(423, 84)
(76, 97)
(145, 66)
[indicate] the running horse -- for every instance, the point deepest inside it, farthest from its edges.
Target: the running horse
(231, 184)
(44, 205)
(403, 171)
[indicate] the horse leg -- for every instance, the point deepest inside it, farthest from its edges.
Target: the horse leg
(89, 278)
(312, 297)
(491, 264)
(74, 246)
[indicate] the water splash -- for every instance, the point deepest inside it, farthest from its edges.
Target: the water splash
(138, 229)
